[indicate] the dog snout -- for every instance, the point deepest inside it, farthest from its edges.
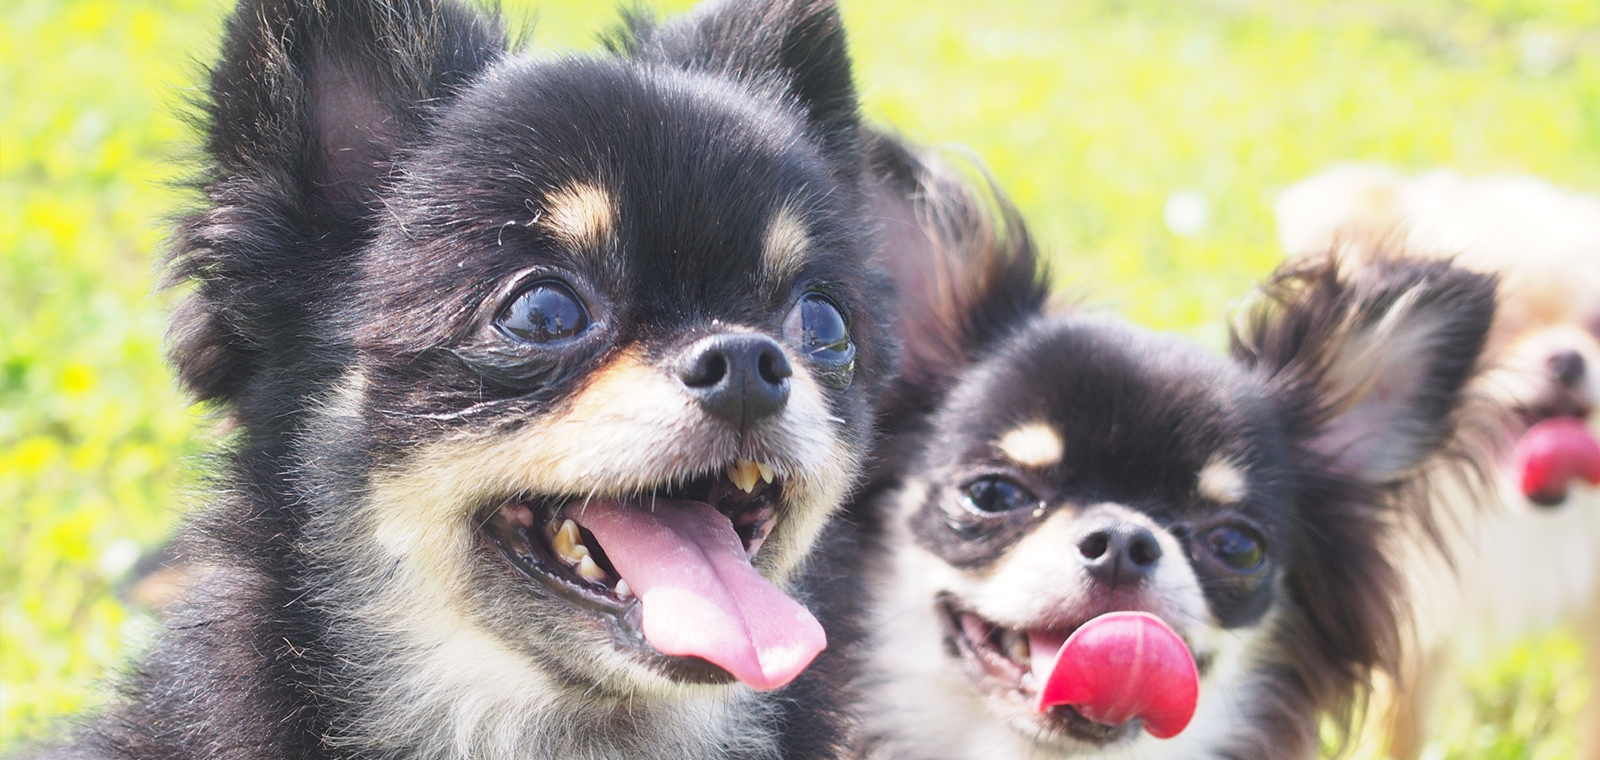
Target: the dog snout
(1567, 366)
(741, 379)
(1119, 553)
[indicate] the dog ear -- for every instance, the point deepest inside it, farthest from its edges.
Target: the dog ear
(797, 44)
(325, 91)
(1370, 358)
(305, 112)
(963, 261)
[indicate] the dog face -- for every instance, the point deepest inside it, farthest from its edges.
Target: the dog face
(1087, 468)
(595, 344)
(1540, 362)
(571, 359)
(1075, 466)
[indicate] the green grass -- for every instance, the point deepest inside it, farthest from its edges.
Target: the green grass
(1093, 113)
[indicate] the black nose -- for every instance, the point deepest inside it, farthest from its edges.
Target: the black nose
(739, 378)
(1119, 553)
(1567, 366)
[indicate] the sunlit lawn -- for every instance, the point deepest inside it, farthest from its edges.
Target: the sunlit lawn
(1094, 114)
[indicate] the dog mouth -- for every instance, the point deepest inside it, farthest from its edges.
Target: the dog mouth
(674, 567)
(1553, 448)
(1013, 663)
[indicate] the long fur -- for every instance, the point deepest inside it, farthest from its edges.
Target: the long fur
(1482, 561)
(982, 353)
(382, 176)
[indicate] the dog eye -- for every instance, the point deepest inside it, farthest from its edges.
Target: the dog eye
(1238, 548)
(544, 312)
(995, 495)
(819, 328)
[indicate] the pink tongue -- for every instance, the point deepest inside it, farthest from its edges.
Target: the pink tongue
(701, 597)
(1551, 454)
(1117, 667)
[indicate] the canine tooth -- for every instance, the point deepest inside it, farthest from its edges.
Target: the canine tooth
(591, 572)
(624, 590)
(766, 471)
(569, 544)
(743, 473)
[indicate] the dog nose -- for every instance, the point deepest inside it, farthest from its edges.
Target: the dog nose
(1120, 553)
(742, 379)
(1567, 366)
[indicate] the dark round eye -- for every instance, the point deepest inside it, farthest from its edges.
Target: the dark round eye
(544, 312)
(994, 495)
(1238, 548)
(817, 326)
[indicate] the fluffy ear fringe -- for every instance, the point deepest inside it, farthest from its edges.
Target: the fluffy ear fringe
(967, 268)
(1389, 333)
(306, 108)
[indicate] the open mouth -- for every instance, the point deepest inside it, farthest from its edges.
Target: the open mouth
(1553, 449)
(674, 565)
(1014, 662)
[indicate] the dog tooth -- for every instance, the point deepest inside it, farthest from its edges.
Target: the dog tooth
(766, 471)
(624, 590)
(743, 474)
(568, 543)
(591, 572)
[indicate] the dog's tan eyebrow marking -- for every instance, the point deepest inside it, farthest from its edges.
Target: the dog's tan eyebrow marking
(785, 245)
(1032, 444)
(1221, 480)
(581, 215)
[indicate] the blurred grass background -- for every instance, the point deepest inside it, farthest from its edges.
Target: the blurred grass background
(1145, 139)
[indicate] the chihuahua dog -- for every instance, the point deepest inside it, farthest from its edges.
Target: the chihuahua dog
(1049, 475)
(1521, 548)
(545, 376)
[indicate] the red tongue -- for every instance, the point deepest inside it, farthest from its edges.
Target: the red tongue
(1551, 454)
(1117, 667)
(701, 597)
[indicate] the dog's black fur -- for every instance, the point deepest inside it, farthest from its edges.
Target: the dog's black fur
(382, 179)
(1139, 418)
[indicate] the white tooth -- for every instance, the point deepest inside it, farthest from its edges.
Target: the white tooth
(766, 471)
(591, 572)
(568, 543)
(623, 590)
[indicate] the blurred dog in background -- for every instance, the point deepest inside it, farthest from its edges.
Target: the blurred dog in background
(1521, 552)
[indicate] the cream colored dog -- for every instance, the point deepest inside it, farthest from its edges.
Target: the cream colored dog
(1525, 543)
